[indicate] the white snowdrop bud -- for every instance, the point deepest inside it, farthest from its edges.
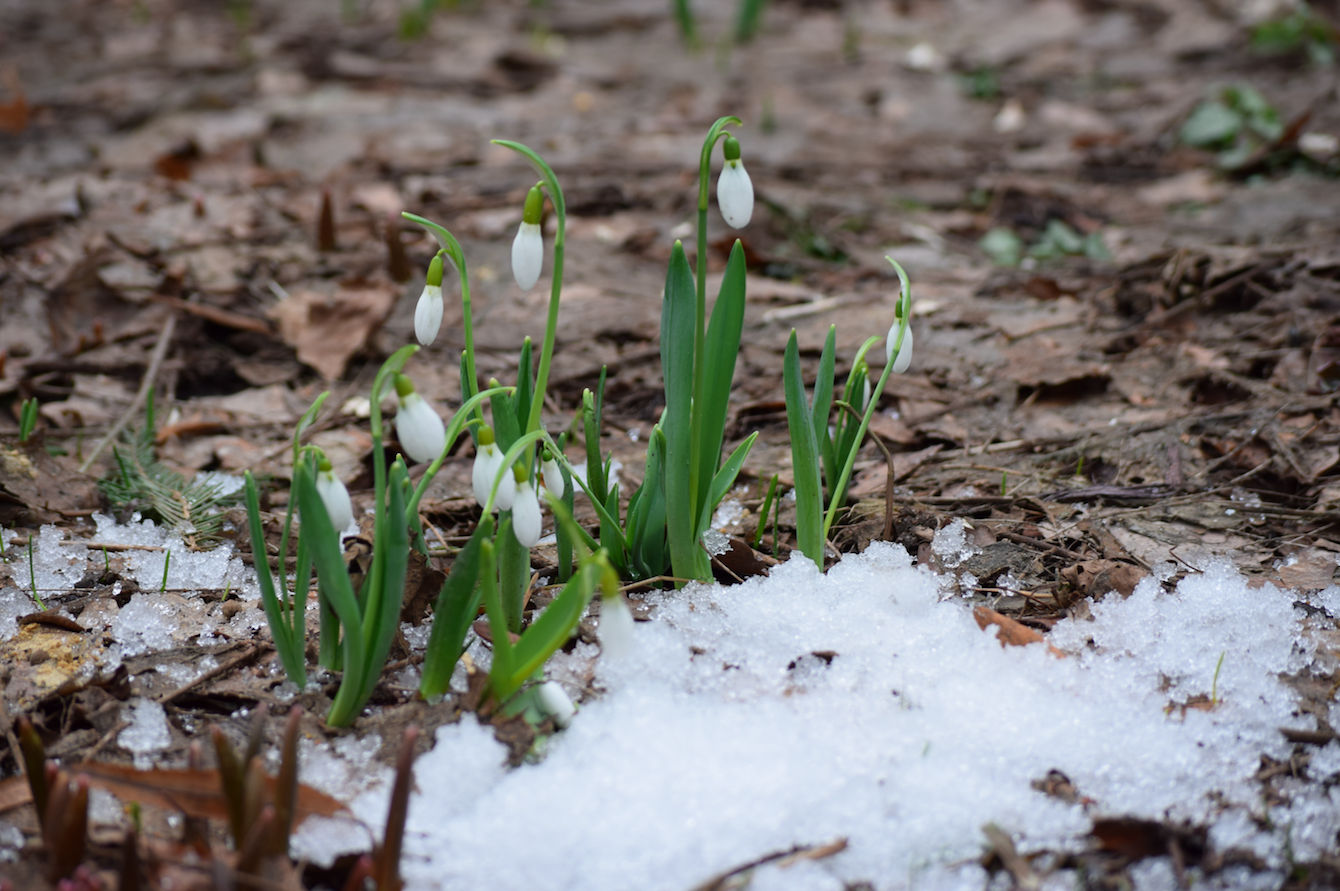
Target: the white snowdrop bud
(528, 246)
(553, 476)
(526, 520)
(735, 191)
(488, 460)
(556, 703)
(420, 430)
(616, 627)
(334, 496)
(428, 312)
(904, 359)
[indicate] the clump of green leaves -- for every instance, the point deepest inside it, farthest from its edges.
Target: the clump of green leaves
(27, 419)
(1234, 124)
(1300, 28)
(141, 482)
(1006, 247)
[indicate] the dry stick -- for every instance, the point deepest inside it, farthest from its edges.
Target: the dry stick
(241, 659)
(150, 373)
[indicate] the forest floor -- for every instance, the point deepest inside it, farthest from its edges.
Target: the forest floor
(1127, 334)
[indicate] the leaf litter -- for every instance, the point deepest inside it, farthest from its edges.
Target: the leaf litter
(1160, 424)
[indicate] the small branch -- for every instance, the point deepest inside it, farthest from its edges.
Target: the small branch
(150, 373)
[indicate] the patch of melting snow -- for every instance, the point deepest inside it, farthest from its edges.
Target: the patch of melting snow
(146, 732)
(722, 741)
(950, 544)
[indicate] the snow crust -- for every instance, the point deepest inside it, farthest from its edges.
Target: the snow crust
(732, 732)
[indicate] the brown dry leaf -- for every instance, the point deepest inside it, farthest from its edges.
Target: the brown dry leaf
(327, 330)
(14, 113)
(1096, 578)
(1312, 569)
(197, 793)
(35, 488)
(1011, 633)
(14, 792)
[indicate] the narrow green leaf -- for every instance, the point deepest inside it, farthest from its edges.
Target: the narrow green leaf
(457, 605)
(382, 618)
(551, 630)
(823, 402)
(804, 457)
(725, 478)
(290, 657)
(488, 583)
(721, 351)
(334, 580)
(677, 334)
(525, 385)
(513, 572)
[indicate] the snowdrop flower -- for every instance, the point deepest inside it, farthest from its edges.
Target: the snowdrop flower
(419, 428)
(526, 521)
(528, 246)
(616, 626)
(334, 496)
(735, 191)
(551, 475)
(904, 359)
(555, 702)
(488, 462)
(428, 314)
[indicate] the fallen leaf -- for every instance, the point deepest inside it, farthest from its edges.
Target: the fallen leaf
(14, 114)
(1011, 633)
(196, 793)
(327, 330)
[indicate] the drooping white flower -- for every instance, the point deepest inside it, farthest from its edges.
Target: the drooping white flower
(428, 312)
(488, 460)
(735, 191)
(556, 703)
(334, 496)
(420, 430)
(904, 352)
(527, 523)
(528, 246)
(552, 476)
(616, 627)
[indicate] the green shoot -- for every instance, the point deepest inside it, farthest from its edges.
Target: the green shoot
(27, 419)
(167, 561)
(32, 575)
(1214, 684)
(763, 513)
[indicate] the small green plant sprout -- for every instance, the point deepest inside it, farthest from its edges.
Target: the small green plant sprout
(167, 562)
(32, 575)
(816, 455)
(27, 419)
(61, 802)
(428, 311)
(1301, 27)
(1234, 124)
(1214, 684)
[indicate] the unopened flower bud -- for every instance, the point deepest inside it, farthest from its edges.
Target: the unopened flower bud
(420, 430)
(428, 312)
(527, 523)
(735, 191)
(556, 703)
(528, 246)
(552, 476)
(334, 496)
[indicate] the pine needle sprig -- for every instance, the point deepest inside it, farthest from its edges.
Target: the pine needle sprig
(142, 482)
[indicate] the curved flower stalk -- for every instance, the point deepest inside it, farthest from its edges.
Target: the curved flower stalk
(452, 248)
(900, 346)
(420, 430)
(528, 246)
(428, 312)
(735, 191)
(334, 495)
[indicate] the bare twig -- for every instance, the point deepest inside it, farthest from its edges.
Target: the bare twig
(150, 373)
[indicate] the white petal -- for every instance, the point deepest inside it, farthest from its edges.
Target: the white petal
(507, 488)
(616, 628)
(554, 700)
(526, 522)
(735, 195)
(527, 255)
(428, 315)
(336, 499)
(904, 352)
(419, 429)
(553, 478)
(485, 469)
